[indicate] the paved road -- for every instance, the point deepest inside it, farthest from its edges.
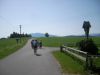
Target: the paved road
(24, 62)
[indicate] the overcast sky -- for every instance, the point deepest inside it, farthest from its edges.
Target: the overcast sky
(58, 17)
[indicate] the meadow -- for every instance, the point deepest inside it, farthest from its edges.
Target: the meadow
(68, 41)
(8, 46)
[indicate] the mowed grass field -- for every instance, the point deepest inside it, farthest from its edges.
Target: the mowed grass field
(69, 41)
(8, 46)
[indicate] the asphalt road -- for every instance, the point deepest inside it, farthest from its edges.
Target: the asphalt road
(24, 62)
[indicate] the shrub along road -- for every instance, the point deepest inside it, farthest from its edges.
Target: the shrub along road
(24, 62)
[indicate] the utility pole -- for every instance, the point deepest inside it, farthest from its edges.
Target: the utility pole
(20, 32)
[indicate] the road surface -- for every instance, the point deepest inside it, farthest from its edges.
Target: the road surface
(24, 62)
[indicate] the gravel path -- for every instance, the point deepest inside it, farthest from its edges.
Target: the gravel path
(24, 62)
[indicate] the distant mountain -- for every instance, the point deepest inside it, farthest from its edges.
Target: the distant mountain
(41, 35)
(50, 35)
(94, 35)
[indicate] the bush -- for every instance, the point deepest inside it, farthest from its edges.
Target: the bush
(88, 45)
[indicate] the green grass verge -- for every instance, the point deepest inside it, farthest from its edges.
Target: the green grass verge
(8, 46)
(68, 64)
(96, 62)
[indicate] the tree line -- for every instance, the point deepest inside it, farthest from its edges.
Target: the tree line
(17, 35)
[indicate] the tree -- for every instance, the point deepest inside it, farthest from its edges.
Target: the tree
(88, 45)
(46, 35)
(17, 35)
(14, 35)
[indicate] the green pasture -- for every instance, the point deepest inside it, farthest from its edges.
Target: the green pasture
(69, 41)
(8, 46)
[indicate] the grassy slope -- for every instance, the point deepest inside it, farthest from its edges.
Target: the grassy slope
(8, 46)
(68, 64)
(72, 65)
